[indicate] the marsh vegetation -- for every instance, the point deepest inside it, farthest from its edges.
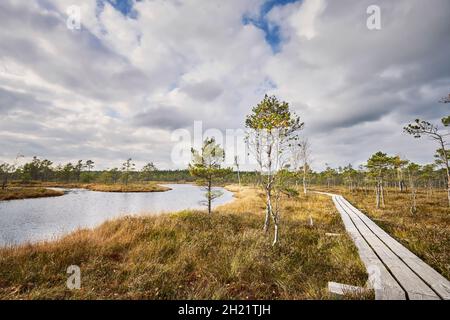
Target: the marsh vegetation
(191, 255)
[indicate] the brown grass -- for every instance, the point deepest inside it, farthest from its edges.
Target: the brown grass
(426, 233)
(132, 187)
(193, 255)
(25, 193)
(149, 187)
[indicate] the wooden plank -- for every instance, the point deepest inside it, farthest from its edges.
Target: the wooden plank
(414, 286)
(384, 285)
(433, 278)
(341, 289)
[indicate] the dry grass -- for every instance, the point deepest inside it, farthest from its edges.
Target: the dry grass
(25, 193)
(193, 255)
(426, 233)
(132, 187)
(48, 184)
(149, 187)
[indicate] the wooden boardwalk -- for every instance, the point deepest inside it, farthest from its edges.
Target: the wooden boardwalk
(394, 271)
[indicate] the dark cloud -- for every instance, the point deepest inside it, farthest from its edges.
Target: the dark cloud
(203, 91)
(11, 101)
(163, 117)
(79, 61)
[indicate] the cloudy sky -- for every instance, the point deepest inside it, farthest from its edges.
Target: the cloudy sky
(138, 70)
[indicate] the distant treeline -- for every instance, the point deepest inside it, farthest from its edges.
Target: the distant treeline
(380, 168)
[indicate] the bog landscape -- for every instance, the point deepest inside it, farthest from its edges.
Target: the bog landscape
(233, 151)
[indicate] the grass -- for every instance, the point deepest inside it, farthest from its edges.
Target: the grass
(15, 193)
(40, 190)
(150, 187)
(193, 255)
(426, 233)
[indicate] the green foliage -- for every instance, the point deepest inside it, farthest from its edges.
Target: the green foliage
(127, 167)
(283, 183)
(379, 164)
(85, 177)
(89, 165)
(398, 163)
(206, 167)
(271, 114)
(5, 171)
(36, 169)
(420, 127)
(413, 169)
(441, 156)
(147, 171)
(446, 121)
(206, 163)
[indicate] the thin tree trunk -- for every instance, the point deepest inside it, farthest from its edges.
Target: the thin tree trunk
(447, 168)
(275, 236)
(377, 190)
(239, 178)
(268, 210)
(413, 207)
(448, 185)
(5, 182)
(304, 180)
(209, 195)
(448, 192)
(275, 217)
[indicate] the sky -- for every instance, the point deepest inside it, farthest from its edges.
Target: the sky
(138, 71)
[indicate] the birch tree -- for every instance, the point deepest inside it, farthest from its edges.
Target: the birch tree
(271, 130)
(301, 158)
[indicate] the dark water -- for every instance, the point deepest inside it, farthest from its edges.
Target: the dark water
(32, 220)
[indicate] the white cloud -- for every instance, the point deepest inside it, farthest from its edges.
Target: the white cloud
(119, 86)
(305, 19)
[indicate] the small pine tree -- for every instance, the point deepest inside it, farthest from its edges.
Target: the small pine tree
(206, 166)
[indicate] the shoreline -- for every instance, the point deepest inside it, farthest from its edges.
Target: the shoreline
(144, 213)
(17, 192)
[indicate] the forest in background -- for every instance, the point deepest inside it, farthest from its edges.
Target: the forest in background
(397, 172)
